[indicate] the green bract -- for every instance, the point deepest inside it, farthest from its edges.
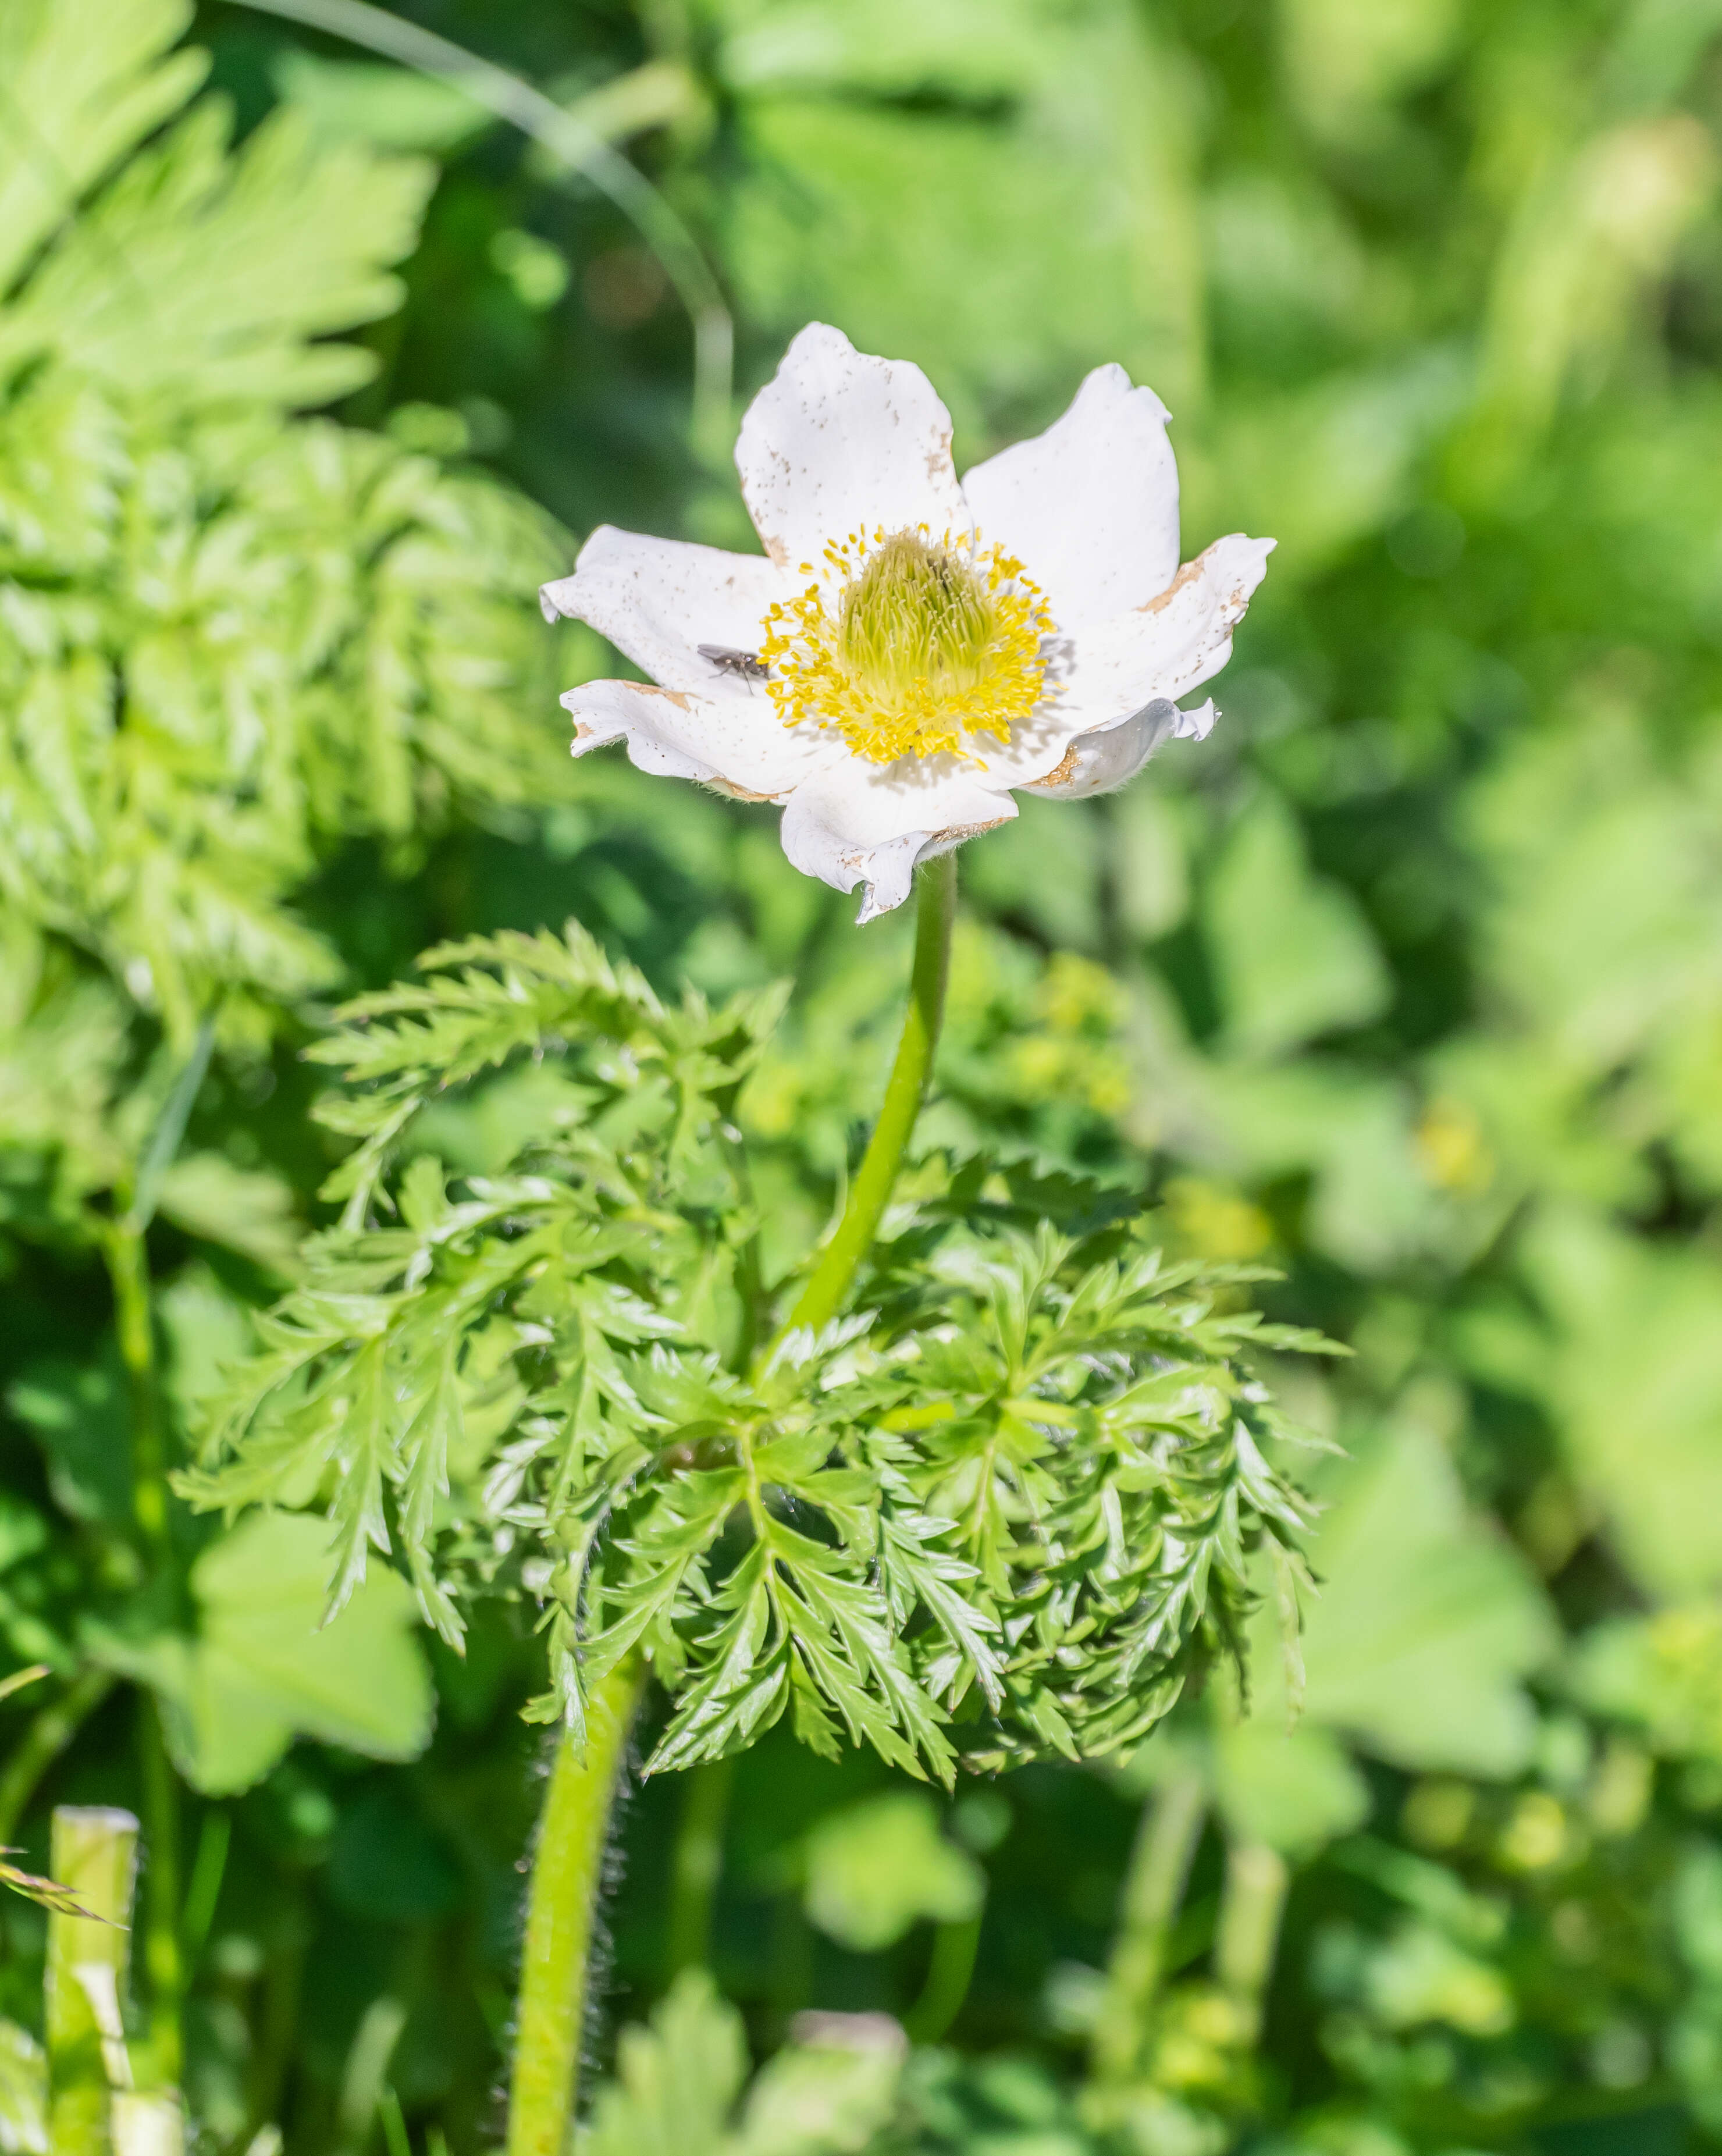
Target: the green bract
(1003, 1508)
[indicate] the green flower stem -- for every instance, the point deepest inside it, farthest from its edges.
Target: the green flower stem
(567, 1867)
(568, 1862)
(1154, 1886)
(822, 1297)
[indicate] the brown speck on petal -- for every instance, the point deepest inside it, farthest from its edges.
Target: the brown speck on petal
(732, 791)
(1189, 569)
(954, 835)
(1062, 772)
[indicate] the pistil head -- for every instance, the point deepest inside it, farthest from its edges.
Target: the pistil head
(925, 644)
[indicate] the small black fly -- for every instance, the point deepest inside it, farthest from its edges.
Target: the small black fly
(746, 665)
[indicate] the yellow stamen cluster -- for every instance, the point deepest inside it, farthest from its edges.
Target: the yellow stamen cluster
(930, 643)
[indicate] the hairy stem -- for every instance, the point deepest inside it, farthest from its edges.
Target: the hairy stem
(568, 1868)
(42, 1743)
(822, 1297)
(1154, 1886)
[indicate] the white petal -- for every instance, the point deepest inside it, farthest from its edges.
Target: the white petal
(1114, 673)
(1098, 762)
(857, 821)
(657, 600)
(840, 442)
(1114, 669)
(1092, 505)
(737, 742)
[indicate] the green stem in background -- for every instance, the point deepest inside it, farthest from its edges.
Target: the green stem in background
(822, 1297)
(697, 1862)
(134, 1320)
(94, 1853)
(576, 148)
(283, 1985)
(364, 2084)
(1248, 1935)
(395, 2136)
(1154, 1886)
(125, 1249)
(163, 1962)
(42, 1743)
(949, 1972)
(208, 1869)
(133, 1317)
(568, 1869)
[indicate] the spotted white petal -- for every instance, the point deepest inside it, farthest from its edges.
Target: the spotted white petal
(1107, 758)
(1091, 506)
(1110, 673)
(733, 742)
(840, 441)
(1182, 637)
(867, 823)
(659, 600)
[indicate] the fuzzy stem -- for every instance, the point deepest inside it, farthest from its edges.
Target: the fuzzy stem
(822, 1297)
(1154, 1886)
(567, 1867)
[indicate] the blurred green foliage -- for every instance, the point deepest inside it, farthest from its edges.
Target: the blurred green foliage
(1406, 983)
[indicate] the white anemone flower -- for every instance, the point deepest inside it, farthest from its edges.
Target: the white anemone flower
(910, 648)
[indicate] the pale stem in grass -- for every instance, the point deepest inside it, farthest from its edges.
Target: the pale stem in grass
(1247, 1938)
(568, 1869)
(1154, 1887)
(822, 1297)
(47, 1737)
(93, 1852)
